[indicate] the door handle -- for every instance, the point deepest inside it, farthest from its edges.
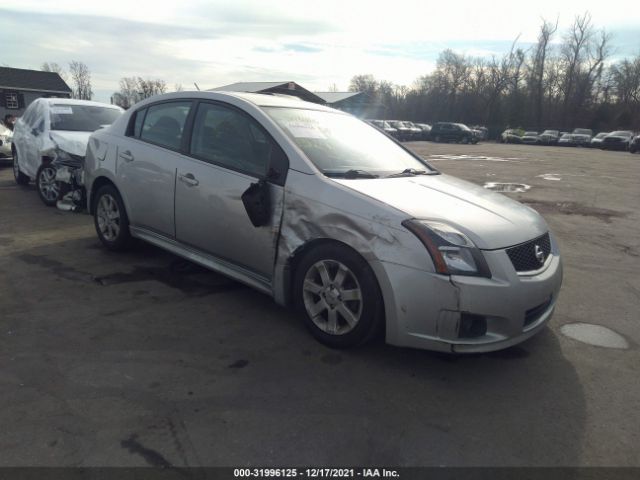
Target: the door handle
(189, 179)
(126, 156)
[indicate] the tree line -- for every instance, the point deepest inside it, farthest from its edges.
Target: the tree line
(80, 78)
(553, 84)
(132, 89)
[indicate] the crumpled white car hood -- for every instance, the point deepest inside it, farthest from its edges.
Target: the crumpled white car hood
(74, 143)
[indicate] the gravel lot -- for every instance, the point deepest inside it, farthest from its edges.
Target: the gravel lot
(140, 358)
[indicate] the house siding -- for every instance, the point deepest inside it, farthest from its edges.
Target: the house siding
(27, 98)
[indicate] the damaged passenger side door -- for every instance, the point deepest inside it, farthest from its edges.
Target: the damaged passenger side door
(230, 189)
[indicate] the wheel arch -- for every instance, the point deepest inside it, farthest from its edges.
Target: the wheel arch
(293, 262)
(97, 184)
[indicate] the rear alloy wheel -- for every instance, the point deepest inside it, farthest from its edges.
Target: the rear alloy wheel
(48, 188)
(110, 219)
(20, 178)
(338, 294)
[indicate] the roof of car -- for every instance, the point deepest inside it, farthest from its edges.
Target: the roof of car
(73, 101)
(258, 99)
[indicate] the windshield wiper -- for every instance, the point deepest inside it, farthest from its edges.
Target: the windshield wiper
(409, 172)
(353, 173)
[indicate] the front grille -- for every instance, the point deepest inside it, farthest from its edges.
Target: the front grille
(523, 256)
(534, 313)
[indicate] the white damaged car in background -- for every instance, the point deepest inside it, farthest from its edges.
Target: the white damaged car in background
(6, 136)
(50, 143)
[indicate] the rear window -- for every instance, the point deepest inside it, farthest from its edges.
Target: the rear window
(81, 118)
(164, 124)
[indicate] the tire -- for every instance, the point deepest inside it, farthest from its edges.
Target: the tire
(111, 220)
(319, 298)
(465, 140)
(46, 185)
(437, 139)
(20, 178)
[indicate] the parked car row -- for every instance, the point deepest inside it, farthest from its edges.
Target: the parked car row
(579, 137)
(440, 132)
(308, 205)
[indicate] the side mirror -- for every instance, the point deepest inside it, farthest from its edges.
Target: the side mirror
(257, 203)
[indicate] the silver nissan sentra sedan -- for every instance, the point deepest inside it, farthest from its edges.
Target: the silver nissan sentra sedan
(328, 214)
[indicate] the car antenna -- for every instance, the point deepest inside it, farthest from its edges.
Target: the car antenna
(197, 87)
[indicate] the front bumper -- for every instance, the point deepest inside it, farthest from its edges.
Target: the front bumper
(425, 310)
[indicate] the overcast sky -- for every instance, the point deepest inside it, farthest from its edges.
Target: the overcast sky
(317, 44)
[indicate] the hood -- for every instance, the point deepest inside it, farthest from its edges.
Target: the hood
(71, 142)
(490, 219)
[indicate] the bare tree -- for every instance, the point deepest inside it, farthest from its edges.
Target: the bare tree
(134, 89)
(536, 79)
(54, 67)
(364, 83)
(573, 51)
(81, 78)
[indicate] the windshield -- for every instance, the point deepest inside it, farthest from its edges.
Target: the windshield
(531, 134)
(82, 118)
(582, 131)
(551, 132)
(602, 135)
(566, 136)
(462, 126)
(621, 133)
(338, 143)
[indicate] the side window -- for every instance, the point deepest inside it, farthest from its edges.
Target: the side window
(164, 124)
(135, 123)
(226, 137)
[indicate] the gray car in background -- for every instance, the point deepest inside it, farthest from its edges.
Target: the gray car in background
(324, 212)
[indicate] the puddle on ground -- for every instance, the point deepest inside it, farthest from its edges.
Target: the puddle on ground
(507, 187)
(596, 335)
(191, 279)
(550, 176)
(470, 157)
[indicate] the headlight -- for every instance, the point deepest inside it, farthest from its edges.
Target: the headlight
(453, 253)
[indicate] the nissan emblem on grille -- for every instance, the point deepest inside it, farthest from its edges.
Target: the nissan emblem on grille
(530, 256)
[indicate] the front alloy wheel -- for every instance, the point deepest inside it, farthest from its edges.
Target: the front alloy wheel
(48, 187)
(338, 295)
(332, 297)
